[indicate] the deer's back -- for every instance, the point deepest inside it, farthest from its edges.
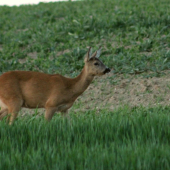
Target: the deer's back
(32, 87)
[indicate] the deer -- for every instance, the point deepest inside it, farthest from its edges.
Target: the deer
(54, 92)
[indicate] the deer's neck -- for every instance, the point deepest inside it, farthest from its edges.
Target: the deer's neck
(82, 81)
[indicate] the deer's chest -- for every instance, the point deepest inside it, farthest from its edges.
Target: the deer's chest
(66, 102)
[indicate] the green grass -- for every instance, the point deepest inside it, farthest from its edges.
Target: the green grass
(53, 38)
(136, 138)
(134, 34)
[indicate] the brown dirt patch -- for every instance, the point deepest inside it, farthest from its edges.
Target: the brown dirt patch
(131, 91)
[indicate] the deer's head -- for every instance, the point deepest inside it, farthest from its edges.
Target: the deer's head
(93, 65)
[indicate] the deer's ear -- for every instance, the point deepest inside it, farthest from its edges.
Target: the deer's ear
(88, 55)
(98, 52)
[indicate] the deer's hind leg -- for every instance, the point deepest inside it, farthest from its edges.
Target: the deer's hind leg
(3, 113)
(3, 109)
(13, 108)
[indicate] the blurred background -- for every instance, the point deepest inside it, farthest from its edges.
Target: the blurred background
(24, 2)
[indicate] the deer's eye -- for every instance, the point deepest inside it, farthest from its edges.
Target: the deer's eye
(96, 64)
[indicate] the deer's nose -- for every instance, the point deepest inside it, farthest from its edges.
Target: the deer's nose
(107, 70)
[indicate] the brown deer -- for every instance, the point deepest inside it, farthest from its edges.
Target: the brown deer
(55, 92)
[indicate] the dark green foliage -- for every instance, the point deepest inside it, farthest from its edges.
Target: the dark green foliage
(134, 34)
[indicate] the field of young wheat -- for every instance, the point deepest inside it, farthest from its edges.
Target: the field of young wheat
(124, 139)
(53, 38)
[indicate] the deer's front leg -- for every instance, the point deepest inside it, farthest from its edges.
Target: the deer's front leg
(50, 112)
(64, 113)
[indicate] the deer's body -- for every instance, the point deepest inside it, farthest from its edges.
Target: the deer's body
(55, 93)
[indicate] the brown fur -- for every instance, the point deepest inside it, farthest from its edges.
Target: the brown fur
(55, 93)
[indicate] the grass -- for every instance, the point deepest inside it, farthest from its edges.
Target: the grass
(134, 35)
(53, 38)
(136, 138)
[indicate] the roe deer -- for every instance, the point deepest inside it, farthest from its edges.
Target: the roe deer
(55, 93)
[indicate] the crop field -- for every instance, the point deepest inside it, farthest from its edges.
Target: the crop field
(122, 121)
(124, 139)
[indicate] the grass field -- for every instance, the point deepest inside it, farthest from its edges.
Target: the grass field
(127, 138)
(53, 38)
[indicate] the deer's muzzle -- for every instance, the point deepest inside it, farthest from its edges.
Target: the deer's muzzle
(107, 70)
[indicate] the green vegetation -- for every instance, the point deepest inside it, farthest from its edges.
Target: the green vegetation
(53, 38)
(127, 138)
(134, 34)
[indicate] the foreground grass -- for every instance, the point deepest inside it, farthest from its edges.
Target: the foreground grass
(54, 37)
(135, 138)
